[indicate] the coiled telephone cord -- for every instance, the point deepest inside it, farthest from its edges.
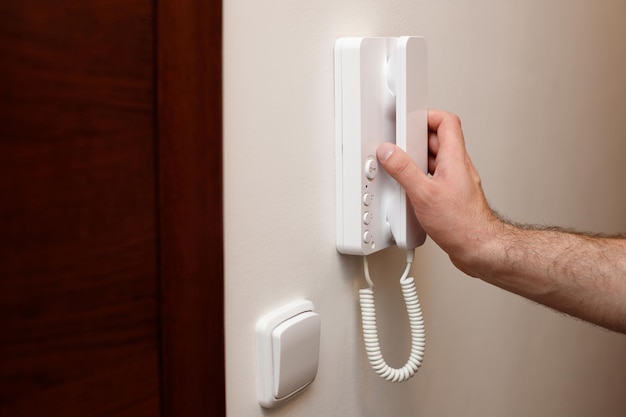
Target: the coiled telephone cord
(370, 331)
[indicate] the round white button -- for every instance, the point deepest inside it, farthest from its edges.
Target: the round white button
(367, 217)
(367, 236)
(371, 167)
(367, 199)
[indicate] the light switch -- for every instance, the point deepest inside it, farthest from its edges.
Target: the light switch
(288, 341)
(295, 345)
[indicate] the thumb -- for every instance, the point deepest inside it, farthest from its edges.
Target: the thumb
(401, 168)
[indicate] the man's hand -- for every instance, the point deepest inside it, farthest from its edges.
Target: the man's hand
(582, 275)
(450, 205)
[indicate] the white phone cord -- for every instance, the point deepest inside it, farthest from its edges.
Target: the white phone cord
(370, 332)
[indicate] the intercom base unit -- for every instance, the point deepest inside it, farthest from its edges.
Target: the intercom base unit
(380, 96)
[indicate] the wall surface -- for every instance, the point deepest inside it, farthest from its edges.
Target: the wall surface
(541, 89)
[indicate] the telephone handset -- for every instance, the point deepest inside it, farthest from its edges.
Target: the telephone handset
(380, 95)
(406, 76)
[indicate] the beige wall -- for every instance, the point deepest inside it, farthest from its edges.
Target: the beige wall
(541, 89)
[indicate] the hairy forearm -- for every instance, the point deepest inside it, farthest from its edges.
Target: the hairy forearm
(582, 275)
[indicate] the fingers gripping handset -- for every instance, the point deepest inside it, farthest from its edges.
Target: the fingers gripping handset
(380, 96)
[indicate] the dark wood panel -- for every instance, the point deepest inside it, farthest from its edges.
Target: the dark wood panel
(190, 149)
(78, 279)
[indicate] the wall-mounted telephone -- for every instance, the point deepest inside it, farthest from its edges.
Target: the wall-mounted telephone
(380, 86)
(380, 96)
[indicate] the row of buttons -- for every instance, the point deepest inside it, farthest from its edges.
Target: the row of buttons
(367, 218)
(371, 168)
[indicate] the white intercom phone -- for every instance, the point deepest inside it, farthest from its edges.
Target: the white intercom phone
(380, 96)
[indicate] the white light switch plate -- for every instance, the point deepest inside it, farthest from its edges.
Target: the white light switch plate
(288, 342)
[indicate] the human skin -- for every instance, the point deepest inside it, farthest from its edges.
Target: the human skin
(579, 274)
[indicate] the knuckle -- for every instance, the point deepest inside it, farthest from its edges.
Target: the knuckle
(455, 119)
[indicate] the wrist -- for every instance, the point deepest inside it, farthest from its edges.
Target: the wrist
(507, 256)
(495, 259)
(487, 256)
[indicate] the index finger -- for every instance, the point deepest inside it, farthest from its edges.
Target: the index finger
(444, 123)
(447, 126)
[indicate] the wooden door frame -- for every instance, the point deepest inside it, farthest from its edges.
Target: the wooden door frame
(190, 205)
